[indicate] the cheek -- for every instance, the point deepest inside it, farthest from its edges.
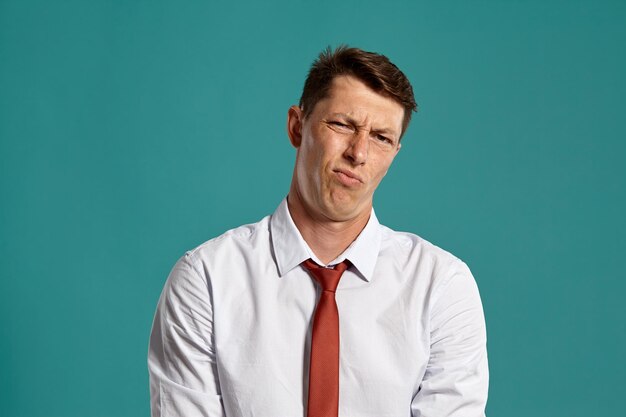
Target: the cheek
(381, 170)
(315, 155)
(308, 161)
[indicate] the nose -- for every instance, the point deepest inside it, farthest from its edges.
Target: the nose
(358, 148)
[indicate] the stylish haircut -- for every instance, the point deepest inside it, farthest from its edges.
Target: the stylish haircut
(374, 70)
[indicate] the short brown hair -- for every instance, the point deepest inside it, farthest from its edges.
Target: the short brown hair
(373, 69)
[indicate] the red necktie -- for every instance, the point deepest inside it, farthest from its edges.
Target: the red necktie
(324, 368)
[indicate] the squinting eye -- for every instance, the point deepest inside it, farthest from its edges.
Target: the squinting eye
(340, 127)
(384, 139)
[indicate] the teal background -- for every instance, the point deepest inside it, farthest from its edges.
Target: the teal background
(131, 131)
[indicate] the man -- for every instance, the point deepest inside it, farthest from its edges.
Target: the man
(319, 310)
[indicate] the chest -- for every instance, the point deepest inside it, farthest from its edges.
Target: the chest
(262, 334)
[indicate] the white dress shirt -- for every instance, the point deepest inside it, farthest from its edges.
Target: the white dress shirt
(232, 331)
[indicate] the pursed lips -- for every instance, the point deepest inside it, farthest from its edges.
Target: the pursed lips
(349, 176)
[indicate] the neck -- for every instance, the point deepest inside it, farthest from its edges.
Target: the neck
(327, 238)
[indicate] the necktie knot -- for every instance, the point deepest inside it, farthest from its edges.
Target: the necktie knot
(328, 278)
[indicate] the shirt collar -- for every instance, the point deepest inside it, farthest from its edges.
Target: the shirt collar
(290, 248)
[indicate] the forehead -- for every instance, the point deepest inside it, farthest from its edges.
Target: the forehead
(350, 96)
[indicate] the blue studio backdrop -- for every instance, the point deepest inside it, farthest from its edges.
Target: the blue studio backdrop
(131, 131)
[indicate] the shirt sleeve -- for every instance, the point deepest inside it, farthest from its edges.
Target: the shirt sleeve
(456, 380)
(181, 356)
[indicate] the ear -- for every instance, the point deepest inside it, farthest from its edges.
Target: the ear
(294, 125)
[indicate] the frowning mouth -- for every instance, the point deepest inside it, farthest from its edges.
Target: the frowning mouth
(347, 177)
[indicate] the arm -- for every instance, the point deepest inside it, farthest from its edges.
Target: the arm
(181, 357)
(456, 380)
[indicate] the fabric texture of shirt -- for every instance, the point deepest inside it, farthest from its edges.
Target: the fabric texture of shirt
(231, 334)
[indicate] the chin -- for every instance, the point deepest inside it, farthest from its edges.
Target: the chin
(342, 212)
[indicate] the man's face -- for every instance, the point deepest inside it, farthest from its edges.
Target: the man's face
(344, 149)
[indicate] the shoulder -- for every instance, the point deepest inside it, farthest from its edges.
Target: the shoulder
(414, 253)
(234, 243)
(410, 245)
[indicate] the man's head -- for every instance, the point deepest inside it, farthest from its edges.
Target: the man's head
(374, 70)
(347, 132)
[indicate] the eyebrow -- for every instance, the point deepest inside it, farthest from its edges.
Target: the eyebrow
(352, 120)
